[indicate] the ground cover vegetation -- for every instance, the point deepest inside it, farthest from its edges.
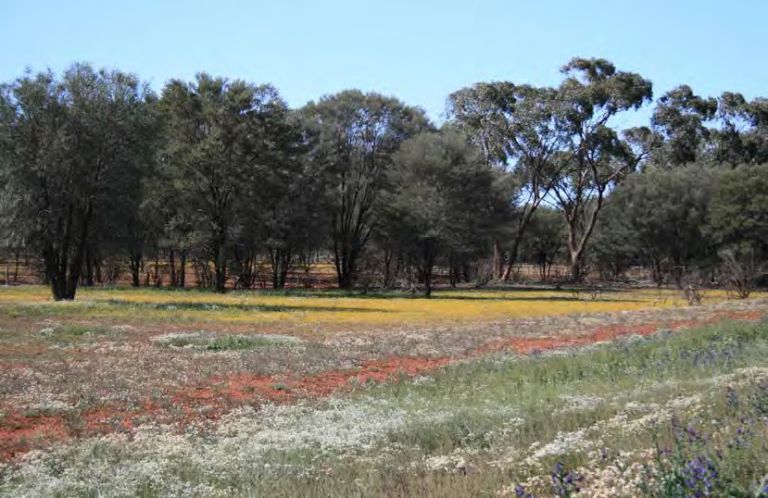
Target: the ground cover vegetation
(659, 399)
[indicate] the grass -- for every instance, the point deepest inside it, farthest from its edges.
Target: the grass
(313, 311)
(78, 380)
(72, 332)
(613, 419)
(226, 342)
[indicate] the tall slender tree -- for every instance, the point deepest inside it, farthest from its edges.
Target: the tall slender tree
(516, 127)
(595, 157)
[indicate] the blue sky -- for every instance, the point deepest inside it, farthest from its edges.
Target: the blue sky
(419, 51)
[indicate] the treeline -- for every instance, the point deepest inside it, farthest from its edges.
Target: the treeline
(98, 175)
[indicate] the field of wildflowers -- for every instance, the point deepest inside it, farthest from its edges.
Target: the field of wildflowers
(472, 393)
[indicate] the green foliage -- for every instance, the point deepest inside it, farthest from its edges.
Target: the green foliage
(543, 244)
(438, 199)
(729, 461)
(679, 118)
(357, 135)
(220, 136)
(739, 210)
(659, 216)
(97, 175)
(74, 151)
(216, 342)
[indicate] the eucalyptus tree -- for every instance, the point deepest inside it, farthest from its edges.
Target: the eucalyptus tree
(742, 137)
(357, 135)
(73, 152)
(680, 119)
(438, 198)
(517, 129)
(216, 148)
(594, 158)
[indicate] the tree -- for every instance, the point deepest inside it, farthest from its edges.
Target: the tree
(594, 158)
(743, 135)
(738, 222)
(543, 243)
(516, 127)
(72, 154)
(659, 216)
(679, 119)
(217, 142)
(358, 133)
(439, 198)
(739, 209)
(292, 216)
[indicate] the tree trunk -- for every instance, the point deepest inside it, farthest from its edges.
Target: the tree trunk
(498, 260)
(158, 273)
(89, 266)
(521, 228)
(577, 266)
(172, 265)
(388, 255)
(135, 263)
(429, 263)
(182, 269)
(345, 263)
(512, 259)
(16, 269)
(220, 273)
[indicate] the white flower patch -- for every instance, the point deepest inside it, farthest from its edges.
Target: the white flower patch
(741, 377)
(341, 426)
(172, 338)
(455, 463)
(624, 477)
(47, 402)
(564, 443)
(579, 403)
(239, 449)
(423, 380)
(637, 407)
(685, 402)
(123, 328)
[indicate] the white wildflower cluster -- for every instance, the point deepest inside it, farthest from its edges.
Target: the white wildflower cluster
(423, 380)
(242, 448)
(625, 422)
(47, 331)
(564, 442)
(46, 402)
(454, 463)
(624, 477)
(741, 377)
(579, 403)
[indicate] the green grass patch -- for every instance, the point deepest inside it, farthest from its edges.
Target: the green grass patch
(73, 332)
(222, 342)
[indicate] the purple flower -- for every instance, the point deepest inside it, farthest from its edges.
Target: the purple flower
(521, 493)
